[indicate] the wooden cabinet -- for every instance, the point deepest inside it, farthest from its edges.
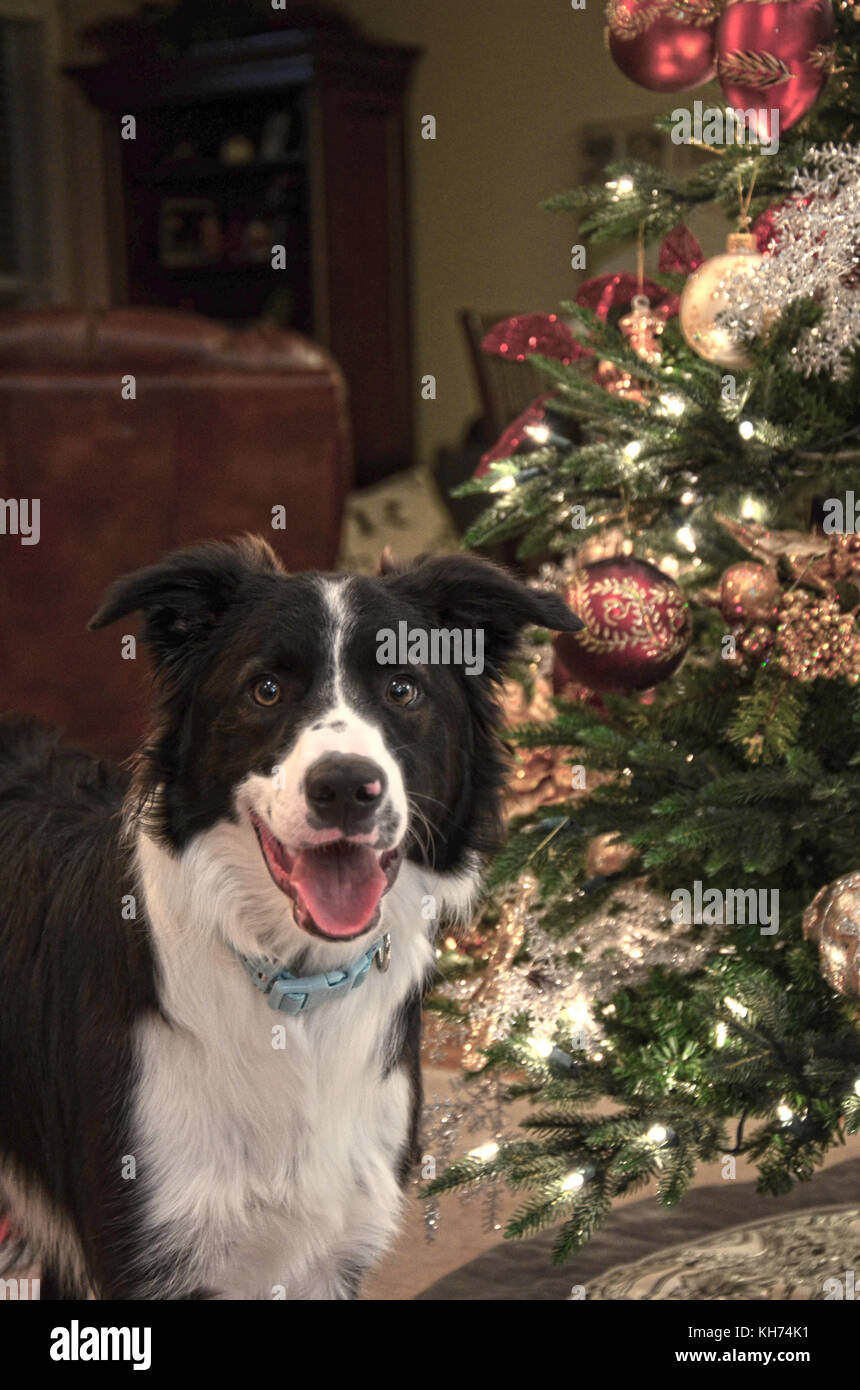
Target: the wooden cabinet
(293, 141)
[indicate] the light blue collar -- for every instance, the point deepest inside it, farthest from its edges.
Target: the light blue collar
(298, 994)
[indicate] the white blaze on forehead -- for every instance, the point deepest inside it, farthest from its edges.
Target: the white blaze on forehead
(335, 594)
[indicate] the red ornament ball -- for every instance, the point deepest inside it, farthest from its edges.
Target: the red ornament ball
(774, 59)
(637, 626)
(665, 45)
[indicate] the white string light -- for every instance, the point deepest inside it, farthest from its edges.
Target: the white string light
(573, 1182)
(539, 433)
(739, 1010)
(686, 538)
(484, 1152)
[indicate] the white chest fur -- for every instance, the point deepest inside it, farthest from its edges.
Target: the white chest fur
(269, 1144)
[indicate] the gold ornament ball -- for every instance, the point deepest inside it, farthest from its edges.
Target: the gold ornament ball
(756, 644)
(832, 920)
(706, 295)
(749, 593)
(604, 546)
(607, 854)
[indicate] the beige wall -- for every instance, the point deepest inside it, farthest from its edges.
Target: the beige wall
(510, 82)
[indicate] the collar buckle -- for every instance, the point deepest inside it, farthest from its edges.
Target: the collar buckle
(383, 953)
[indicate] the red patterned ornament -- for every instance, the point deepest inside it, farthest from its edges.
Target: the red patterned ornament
(637, 626)
(665, 45)
(774, 59)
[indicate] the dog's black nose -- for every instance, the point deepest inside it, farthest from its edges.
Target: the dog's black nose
(344, 790)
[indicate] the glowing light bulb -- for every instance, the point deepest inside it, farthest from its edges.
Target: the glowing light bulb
(573, 1182)
(857, 1087)
(484, 1152)
(504, 484)
(633, 449)
(657, 1134)
(673, 405)
(752, 510)
(687, 498)
(670, 565)
(785, 1114)
(686, 538)
(739, 1010)
(626, 185)
(746, 429)
(721, 1034)
(539, 433)
(542, 1046)
(578, 1012)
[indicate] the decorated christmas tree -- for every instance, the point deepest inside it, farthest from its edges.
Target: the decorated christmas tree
(668, 965)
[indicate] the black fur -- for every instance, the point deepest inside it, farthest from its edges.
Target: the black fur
(78, 971)
(76, 977)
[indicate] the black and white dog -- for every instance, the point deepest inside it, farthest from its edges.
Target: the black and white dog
(211, 970)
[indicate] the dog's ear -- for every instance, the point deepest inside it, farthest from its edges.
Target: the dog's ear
(185, 595)
(387, 564)
(464, 591)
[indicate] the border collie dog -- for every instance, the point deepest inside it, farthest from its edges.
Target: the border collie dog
(211, 969)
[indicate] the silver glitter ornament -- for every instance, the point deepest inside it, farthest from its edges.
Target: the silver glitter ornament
(814, 254)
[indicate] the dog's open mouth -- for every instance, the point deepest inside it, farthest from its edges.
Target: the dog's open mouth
(336, 889)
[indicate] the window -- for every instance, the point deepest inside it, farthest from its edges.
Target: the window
(27, 167)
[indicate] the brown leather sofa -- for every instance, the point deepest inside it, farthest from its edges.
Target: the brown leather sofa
(223, 428)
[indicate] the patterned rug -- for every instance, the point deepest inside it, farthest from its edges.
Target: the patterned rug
(808, 1256)
(720, 1243)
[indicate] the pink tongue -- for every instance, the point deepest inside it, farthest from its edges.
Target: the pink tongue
(339, 889)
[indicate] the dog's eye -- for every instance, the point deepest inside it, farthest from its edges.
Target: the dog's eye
(267, 692)
(402, 691)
